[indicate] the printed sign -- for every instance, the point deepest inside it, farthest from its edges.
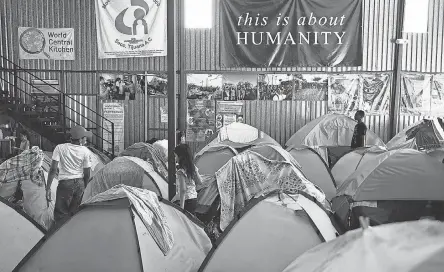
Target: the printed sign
(115, 113)
(46, 43)
(164, 114)
(131, 28)
(228, 112)
(287, 33)
(201, 117)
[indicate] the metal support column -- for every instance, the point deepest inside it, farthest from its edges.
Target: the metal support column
(172, 68)
(397, 66)
(182, 107)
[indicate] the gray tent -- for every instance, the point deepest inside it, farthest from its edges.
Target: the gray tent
(271, 232)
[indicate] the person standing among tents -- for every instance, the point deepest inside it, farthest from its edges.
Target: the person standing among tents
(73, 160)
(360, 131)
(187, 176)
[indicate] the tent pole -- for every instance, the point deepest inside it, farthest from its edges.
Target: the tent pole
(397, 66)
(172, 68)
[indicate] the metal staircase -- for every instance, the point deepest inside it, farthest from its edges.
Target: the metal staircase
(46, 113)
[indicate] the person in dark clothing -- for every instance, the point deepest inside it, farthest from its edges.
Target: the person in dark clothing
(360, 131)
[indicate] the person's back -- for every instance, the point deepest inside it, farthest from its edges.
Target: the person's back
(71, 158)
(360, 131)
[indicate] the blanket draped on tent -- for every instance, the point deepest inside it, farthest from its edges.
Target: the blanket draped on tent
(250, 175)
(26, 166)
(146, 205)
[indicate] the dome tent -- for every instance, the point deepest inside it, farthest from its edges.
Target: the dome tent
(270, 233)
(426, 134)
(239, 136)
(112, 228)
(151, 154)
(130, 171)
(315, 169)
(392, 187)
(19, 233)
(351, 161)
(409, 247)
(332, 135)
(248, 174)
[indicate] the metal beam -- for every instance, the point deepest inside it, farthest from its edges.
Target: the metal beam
(397, 66)
(182, 107)
(172, 68)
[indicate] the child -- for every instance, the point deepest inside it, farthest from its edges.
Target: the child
(360, 131)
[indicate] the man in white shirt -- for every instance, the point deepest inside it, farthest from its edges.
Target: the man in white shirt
(73, 160)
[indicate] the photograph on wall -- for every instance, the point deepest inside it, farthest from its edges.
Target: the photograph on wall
(437, 96)
(415, 94)
(276, 87)
(310, 87)
(228, 112)
(239, 86)
(118, 87)
(156, 84)
(343, 93)
(200, 120)
(164, 114)
(375, 93)
(204, 86)
(114, 112)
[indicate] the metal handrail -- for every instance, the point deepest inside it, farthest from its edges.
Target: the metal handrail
(91, 120)
(24, 70)
(52, 110)
(18, 69)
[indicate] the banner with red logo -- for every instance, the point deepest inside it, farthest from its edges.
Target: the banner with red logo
(131, 28)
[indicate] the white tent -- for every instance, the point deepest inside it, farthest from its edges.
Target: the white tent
(404, 174)
(19, 233)
(352, 161)
(408, 247)
(272, 231)
(239, 135)
(330, 135)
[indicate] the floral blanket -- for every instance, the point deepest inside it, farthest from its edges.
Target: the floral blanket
(251, 175)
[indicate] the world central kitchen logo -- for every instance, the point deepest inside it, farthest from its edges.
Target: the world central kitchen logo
(134, 21)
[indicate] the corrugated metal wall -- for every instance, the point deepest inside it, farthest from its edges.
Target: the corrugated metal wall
(77, 14)
(425, 52)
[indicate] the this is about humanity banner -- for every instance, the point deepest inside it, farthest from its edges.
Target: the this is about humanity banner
(283, 33)
(131, 28)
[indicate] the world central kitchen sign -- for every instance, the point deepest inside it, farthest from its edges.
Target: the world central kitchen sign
(46, 43)
(283, 33)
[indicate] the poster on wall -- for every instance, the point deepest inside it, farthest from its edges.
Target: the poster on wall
(204, 86)
(437, 96)
(239, 86)
(291, 33)
(118, 87)
(375, 93)
(415, 94)
(115, 113)
(46, 43)
(135, 28)
(201, 120)
(164, 114)
(343, 93)
(228, 112)
(310, 87)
